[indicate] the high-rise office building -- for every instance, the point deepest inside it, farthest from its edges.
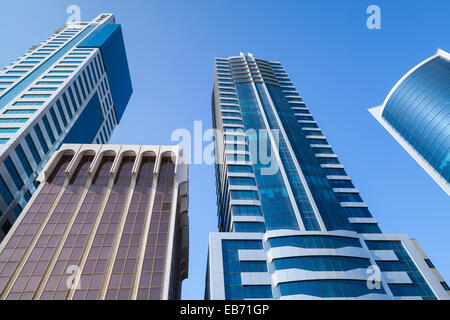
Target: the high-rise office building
(292, 224)
(416, 113)
(106, 222)
(71, 88)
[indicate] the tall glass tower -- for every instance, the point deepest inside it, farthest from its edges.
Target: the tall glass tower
(416, 113)
(292, 224)
(71, 88)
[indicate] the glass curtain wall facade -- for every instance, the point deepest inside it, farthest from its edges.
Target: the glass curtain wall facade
(71, 88)
(417, 114)
(107, 222)
(292, 225)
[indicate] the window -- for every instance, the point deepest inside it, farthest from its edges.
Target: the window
(314, 241)
(242, 181)
(357, 212)
(19, 111)
(55, 120)
(36, 95)
(322, 263)
(238, 157)
(249, 227)
(445, 285)
(4, 191)
(253, 266)
(341, 183)
(232, 121)
(6, 226)
(349, 197)
(66, 103)
(13, 172)
(430, 264)
(23, 159)
(13, 120)
(72, 99)
(48, 129)
(239, 168)
(366, 227)
(328, 288)
(334, 172)
(61, 113)
(77, 92)
(33, 148)
(28, 103)
(246, 210)
(8, 130)
(244, 195)
(41, 138)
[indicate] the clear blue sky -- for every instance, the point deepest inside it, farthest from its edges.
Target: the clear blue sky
(339, 67)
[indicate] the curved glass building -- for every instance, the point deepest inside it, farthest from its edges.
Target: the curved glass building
(292, 224)
(417, 114)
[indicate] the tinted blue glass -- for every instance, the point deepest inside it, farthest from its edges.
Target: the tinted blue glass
(4, 191)
(13, 172)
(61, 113)
(257, 292)
(48, 129)
(253, 266)
(277, 208)
(66, 103)
(315, 241)
(55, 120)
(242, 181)
(33, 149)
(109, 39)
(41, 138)
(23, 160)
(418, 110)
(328, 288)
(366, 227)
(232, 266)
(88, 123)
(74, 104)
(404, 263)
(239, 168)
(325, 199)
(306, 211)
(246, 210)
(249, 227)
(322, 263)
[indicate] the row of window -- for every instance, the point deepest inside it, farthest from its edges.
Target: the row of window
(76, 94)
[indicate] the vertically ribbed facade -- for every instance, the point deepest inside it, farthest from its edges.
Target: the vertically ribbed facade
(417, 114)
(107, 222)
(71, 88)
(301, 231)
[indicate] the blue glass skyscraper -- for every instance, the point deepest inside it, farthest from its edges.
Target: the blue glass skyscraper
(416, 113)
(71, 88)
(291, 223)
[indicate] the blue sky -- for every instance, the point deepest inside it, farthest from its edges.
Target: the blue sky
(340, 67)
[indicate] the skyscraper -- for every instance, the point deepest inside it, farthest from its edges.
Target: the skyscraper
(416, 113)
(295, 227)
(71, 88)
(106, 222)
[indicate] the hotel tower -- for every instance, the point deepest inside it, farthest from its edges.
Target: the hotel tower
(292, 225)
